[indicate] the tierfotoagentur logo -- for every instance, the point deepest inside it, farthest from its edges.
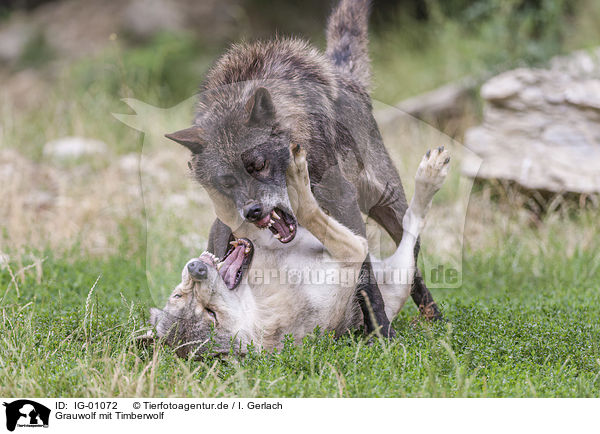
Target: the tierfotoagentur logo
(25, 413)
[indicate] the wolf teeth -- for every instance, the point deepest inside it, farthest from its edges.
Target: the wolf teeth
(247, 250)
(210, 255)
(275, 215)
(291, 228)
(234, 243)
(277, 236)
(219, 265)
(271, 221)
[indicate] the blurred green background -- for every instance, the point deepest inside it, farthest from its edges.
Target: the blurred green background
(415, 44)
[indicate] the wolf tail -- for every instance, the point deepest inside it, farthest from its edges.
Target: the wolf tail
(347, 39)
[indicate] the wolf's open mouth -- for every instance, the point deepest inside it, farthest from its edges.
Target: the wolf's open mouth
(237, 259)
(281, 224)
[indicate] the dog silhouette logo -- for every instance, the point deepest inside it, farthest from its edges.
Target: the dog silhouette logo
(26, 413)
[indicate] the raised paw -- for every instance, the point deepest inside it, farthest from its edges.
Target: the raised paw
(433, 168)
(430, 176)
(301, 198)
(297, 172)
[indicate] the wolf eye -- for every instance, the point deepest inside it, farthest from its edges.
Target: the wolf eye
(211, 314)
(176, 295)
(260, 165)
(227, 181)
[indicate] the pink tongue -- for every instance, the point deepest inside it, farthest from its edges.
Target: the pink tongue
(231, 265)
(282, 228)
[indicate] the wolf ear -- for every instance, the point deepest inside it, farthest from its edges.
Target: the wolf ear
(261, 107)
(190, 138)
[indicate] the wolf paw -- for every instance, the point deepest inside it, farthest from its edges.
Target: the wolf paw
(430, 176)
(298, 183)
(297, 172)
(433, 168)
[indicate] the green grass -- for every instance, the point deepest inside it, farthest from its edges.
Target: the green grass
(521, 325)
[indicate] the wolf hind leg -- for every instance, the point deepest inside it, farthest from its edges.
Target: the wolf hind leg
(381, 197)
(431, 173)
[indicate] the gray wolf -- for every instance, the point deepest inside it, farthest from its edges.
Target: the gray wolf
(261, 96)
(205, 316)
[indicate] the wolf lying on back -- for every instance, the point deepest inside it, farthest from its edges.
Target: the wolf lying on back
(258, 98)
(203, 308)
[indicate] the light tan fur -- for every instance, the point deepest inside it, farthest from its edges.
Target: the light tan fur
(339, 241)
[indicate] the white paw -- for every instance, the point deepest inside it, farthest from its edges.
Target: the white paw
(297, 173)
(433, 169)
(430, 176)
(301, 198)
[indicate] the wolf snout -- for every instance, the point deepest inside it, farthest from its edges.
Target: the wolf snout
(198, 270)
(253, 212)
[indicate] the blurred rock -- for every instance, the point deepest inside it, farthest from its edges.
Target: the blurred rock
(541, 127)
(142, 19)
(75, 28)
(14, 37)
(445, 107)
(443, 103)
(72, 28)
(130, 164)
(71, 148)
(39, 200)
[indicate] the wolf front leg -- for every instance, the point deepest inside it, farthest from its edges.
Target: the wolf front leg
(341, 243)
(430, 176)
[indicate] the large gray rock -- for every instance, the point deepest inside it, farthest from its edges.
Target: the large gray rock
(541, 127)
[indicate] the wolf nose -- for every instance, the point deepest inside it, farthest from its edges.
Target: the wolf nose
(253, 212)
(197, 270)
